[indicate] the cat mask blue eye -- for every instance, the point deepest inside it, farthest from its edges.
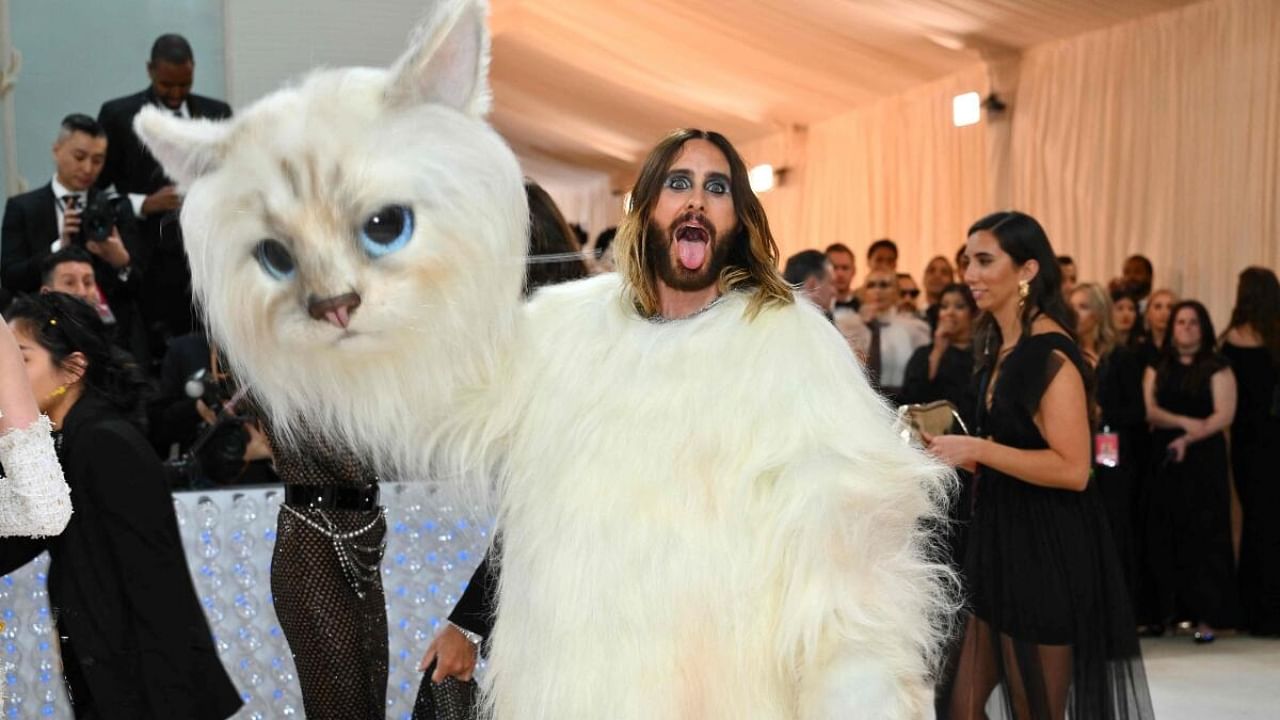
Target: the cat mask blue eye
(275, 259)
(386, 230)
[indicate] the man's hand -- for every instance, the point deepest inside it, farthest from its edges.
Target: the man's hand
(454, 654)
(111, 250)
(70, 227)
(161, 201)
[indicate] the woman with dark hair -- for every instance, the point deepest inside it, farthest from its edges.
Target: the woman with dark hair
(555, 256)
(1191, 399)
(1050, 621)
(134, 641)
(1124, 316)
(1252, 345)
(943, 369)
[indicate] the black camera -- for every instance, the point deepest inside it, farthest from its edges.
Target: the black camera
(99, 215)
(217, 455)
(203, 386)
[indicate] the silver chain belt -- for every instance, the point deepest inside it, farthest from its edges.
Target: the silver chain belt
(359, 571)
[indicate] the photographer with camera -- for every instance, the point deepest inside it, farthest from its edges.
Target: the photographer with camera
(208, 435)
(70, 212)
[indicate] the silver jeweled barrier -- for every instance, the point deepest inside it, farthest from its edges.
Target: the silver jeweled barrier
(432, 549)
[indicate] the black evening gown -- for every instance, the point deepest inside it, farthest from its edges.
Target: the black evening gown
(1042, 569)
(1255, 437)
(1123, 412)
(1189, 519)
(953, 382)
(332, 610)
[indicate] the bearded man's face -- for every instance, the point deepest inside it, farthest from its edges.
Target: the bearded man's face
(693, 222)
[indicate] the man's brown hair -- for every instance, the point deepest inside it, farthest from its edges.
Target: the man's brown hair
(753, 255)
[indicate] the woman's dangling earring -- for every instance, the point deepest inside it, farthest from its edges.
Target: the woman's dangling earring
(1024, 289)
(58, 392)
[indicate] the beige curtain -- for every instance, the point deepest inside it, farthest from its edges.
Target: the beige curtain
(1159, 136)
(898, 169)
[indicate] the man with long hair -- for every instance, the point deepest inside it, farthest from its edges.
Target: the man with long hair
(758, 395)
(696, 231)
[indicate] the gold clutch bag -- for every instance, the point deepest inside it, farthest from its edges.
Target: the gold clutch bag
(939, 417)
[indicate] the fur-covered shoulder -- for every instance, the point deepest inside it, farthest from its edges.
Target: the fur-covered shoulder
(564, 298)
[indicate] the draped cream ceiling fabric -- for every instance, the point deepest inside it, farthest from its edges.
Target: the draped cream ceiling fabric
(588, 86)
(595, 84)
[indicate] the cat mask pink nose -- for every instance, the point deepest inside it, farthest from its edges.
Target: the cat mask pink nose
(336, 309)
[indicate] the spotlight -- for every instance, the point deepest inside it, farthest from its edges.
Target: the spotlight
(761, 178)
(966, 109)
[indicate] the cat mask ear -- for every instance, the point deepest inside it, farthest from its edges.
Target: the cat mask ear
(186, 149)
(447, 61)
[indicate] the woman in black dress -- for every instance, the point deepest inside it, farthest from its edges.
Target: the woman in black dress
(943, 370)
(134, 641)
(1120, 418)
(1191, 399)
(1050, 623)
(1252, 345)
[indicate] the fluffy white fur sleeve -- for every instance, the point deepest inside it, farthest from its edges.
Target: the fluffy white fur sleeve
(867, 605)
(34, 498)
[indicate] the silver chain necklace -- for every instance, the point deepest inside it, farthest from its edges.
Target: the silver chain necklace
(658, 319)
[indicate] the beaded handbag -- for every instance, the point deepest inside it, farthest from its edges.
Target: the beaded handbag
(451, 699)
(936, 418)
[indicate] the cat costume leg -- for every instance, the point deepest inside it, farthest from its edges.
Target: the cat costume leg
(325, 579)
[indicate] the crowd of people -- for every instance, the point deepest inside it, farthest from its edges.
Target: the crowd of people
(1175, 444)
(104, 229)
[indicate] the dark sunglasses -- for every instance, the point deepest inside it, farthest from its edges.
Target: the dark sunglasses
(880, 284)
(913, 293)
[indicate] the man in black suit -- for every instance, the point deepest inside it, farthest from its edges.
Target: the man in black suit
(46, 220)
(132, 171)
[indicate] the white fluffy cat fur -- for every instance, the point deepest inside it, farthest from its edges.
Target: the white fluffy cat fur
(709, 518)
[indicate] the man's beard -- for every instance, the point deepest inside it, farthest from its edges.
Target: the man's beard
(666, 264)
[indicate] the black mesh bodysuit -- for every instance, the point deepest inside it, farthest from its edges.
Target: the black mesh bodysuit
(327, 588)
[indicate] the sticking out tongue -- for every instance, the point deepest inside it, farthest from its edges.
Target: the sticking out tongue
(692, 253)
(691, 245)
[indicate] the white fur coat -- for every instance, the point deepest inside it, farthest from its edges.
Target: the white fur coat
(706, 518)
